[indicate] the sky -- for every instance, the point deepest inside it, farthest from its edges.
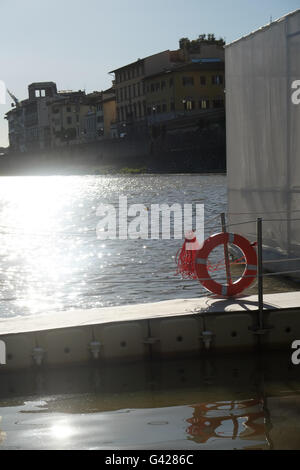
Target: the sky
(76, 43)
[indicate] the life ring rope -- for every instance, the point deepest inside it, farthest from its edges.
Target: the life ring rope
(202, 267)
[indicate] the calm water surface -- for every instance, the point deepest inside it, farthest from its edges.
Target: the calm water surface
(216, 403)
(52, 260)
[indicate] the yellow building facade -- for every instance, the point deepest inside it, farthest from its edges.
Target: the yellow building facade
(190, 88)
(66, 119)
(110, 115)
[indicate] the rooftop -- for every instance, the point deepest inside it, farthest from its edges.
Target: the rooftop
(138, 61)
(192, 66)
(42, 84)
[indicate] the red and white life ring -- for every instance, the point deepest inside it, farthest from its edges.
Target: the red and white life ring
(241, 284)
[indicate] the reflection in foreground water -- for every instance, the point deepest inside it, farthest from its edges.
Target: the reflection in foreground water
(205, 403)
(233, 419)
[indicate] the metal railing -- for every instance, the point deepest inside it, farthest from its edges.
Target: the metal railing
(260, 262)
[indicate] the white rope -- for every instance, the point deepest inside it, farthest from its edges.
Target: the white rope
(281, 260)
(262, 212)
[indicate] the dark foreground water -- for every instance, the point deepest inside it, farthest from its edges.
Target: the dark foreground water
(217, 403)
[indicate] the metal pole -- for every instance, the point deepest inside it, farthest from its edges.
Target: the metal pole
(260, 273)
(226, 254)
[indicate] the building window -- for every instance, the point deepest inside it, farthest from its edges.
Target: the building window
(189, 104)
(204, 103)
(69, 120)
(164, 108)
(163, 84)
(217, 79)
(40, 93)
(171, 82)
(218, 103)
(202, 81)
(172, 106)
(68, 109)
(157, 86)
(188, 81)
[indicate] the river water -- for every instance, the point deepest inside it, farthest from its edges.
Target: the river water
(230, 402)
(51, 259)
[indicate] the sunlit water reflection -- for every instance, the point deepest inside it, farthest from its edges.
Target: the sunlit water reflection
(51, 258)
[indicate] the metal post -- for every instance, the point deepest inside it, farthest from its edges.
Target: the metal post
(260, 273)
(226, 254)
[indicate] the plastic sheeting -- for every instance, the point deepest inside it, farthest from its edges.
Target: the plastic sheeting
(263, 135)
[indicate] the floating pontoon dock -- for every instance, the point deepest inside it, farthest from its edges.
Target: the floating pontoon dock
(180, 327)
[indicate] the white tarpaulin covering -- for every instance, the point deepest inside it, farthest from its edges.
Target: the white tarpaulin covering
(263, 134)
